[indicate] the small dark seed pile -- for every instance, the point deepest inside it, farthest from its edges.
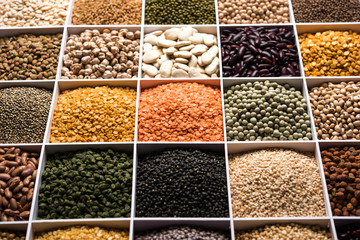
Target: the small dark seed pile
(180, 12)
(86, 184)
(326, 10)
(183, 232)
(29, 57)
(181, 183)
(259, 52)
(23, 114)
(349, 232)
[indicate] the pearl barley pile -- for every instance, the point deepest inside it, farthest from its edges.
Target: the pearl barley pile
(29, 13)
(258, 178)
(253, 11)
(292, 231)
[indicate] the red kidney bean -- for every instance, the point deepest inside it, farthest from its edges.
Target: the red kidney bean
(259, 52)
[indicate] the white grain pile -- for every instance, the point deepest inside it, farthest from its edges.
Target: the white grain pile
(275, 183)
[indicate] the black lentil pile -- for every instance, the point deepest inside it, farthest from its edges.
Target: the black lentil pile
(86, 184)
(23, 114)
(349, 232)
(180, 12)
(29, 57)
(265, 111)
(183, 232)
(326, 10)
(181, 183)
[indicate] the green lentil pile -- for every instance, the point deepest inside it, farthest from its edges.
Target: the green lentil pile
(180, 12)
(29, 57)
(265, 111)
(86, 184)
(23, 114)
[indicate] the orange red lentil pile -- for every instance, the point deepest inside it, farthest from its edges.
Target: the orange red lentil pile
(184, 112)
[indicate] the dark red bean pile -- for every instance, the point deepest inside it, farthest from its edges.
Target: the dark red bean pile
(181, 183)
(259, 52)
(349, 232)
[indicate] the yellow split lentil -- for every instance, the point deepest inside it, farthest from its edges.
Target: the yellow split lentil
(94, 114)
(83, 232)
(331, 53)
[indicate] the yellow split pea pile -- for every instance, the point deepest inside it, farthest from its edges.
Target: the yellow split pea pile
(100, 114)
(331, 53)
(83, 232)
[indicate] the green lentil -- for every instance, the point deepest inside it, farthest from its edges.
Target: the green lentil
(86, 184)
(265, 111)
(180, 12)
(29, 57)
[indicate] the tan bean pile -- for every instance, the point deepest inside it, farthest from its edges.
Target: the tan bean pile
(100, 114)
(102, 55)
(253, 11)
(336, 110)
(275, 183)
(292, 231)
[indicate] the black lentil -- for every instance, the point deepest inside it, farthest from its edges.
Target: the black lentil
(24, 113)
(183, 232)
(180, 12)
(181, 183)
(86, 184)
(326, 10)
(259, 52)
(265, 111)
(349, 231)
(29, 57)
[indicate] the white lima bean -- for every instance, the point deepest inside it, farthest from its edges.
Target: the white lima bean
(180, 53)
(27, 13)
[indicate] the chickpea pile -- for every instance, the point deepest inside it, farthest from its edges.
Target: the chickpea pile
(253, 11)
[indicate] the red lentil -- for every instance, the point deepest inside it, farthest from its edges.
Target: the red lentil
(181, 112)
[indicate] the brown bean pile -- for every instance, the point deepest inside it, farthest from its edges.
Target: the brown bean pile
(107, 12)
(342, 173)
(336, 110)
(7, 235)
(100, 114)
(18, 171)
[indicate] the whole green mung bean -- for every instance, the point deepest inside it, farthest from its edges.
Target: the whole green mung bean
(86, 184)
(180, 12)
(23, 114)
(265, 111)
